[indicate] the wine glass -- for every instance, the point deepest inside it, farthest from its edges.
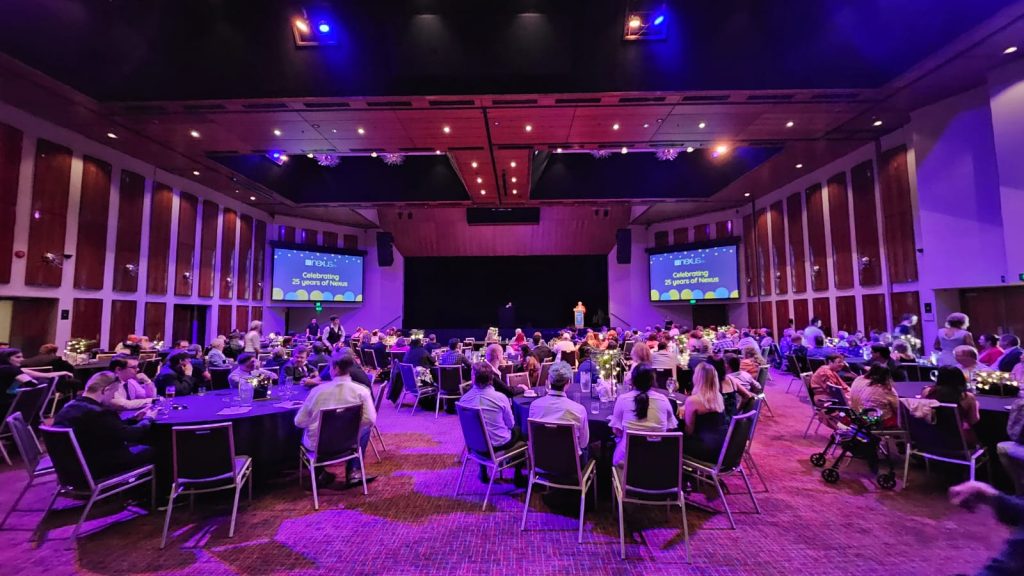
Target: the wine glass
(169, 392)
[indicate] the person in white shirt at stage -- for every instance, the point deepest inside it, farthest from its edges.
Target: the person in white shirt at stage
(136, 390)
(556, 407)
(340, 391)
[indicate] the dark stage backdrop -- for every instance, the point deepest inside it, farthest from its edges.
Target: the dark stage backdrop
(472, 292)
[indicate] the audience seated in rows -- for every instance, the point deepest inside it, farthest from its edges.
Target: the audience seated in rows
(341, 390)
(556, 407)
(640, 409)
(109, 444)
(136, 391)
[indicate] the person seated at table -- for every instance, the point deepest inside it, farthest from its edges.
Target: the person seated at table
(704, 420)
(967, 361)
(341, 390)
(49, 356)
(146, 345)
(518, 340)
(418, 355)
(880, 354)
(178, 373)
(431, 344)
(129, 346)
(663, 358)
(1012, 353)
(874, 390)
(278, 358)
(639, 409)
(640, 354)
(136, 391)
(818, 350)
(200, 372)
(453, 356)
(747, 340)
(588, 366)
(751, 360)
(235, 345)
(798, 349)
(564, 344)
(988, 349)
(828, 375)
(494, 357)
(181, 345)
(216, 358)
(530, 365)
(951, 388)
(496, 410)
(740, 378)
(318, 355)
(359, 376)
(540, 349)
(14, 377)
(246, 368)
(109, 444)
(298, 370)
(901, 351)
(555, 406)
(400, 345)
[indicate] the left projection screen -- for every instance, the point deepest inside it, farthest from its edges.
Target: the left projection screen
(311, 276)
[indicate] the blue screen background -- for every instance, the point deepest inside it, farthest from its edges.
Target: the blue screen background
(301, 275)
(703, 274)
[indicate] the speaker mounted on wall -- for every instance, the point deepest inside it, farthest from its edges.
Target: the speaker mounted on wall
(623, 245)
(385, 249)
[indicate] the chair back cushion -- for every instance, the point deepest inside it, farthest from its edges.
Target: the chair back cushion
(25, 441)
(542, 378)
(838, 397)
(449, 379)
(219, 378)
(554, 451)
(661, 376)
(206, 451)
(806, 377)
(369, 359)
(473, 432)
(740, 428)
(518, 379)
(72, 471)
(29, 402)
(338, 434)
(653, 460)
(762, 376)
(943, 438)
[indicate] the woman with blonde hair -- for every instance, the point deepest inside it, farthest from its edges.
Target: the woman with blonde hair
(703, 415)
(751, 360)
(954, 334)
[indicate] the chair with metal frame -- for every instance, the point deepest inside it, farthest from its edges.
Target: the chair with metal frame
(30, 403)
(554, 461)
(449, 384)
(480, 450)
(36, 464)
(369, 362)
(75, 480)
(396, 356)
(943, 441)
(730, 460)
(662, 376)
(542, 377)
(817, 412)
(762, 379)
(337, 441)
(652, 474)
(795, 369)
(204, 460)
(748, 458)
(515, 379)
(571, 357)
(411, 385)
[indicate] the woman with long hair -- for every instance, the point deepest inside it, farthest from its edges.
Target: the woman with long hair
(640, 409)
(951, 388)
(704, 418)
(874, 390)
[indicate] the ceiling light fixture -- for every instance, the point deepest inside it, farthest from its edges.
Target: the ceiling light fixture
(689, 149)
(624, 150)
(746, 194)
(479, 180)
(253, 198)
(529, 128)
(558, 150)
(302, 25)
(483, 192)
(310, 155)
(473, 164)
(799, 166)
(789, 124)
(1010, 50)
(876, 123)
(324, 27)
(360, 131)
(447, 129)
(194, 133)
(277, 132)
(328, 160)
(195, 172)
(373, 154)
(634, 22)
(438, 152)
(512, 163)
(702, 125)
(111, 135)
(666, 154)
(721, 149)
(615, 126)
(514, 180)
(514, 191)
(646, 125)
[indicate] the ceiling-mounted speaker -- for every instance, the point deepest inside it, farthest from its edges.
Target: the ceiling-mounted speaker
(385, 249)
(623, 245)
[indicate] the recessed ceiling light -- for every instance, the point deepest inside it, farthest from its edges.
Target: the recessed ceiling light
(194, 133)
(529, 128)
(558, 150)
(483, 192)
(689, 149)
(277, 132)
(195, 172)
(479, 180)
(746, 194)
(514, 191)
(876, 123)
(315, 126)
(496, 123)
(624, 150)
(360, 131)
(789, 124)
(702, 125)
(373, 154)
(512, 163)
(615, 126)
(438, 152)
(253, 198)
(1010, 50)
(334, 130)
(646, 125)
(634, 22)
(236, 191)
(514, 180)
(447, 129)
(111, 135)
(473, 164)
(798, 166)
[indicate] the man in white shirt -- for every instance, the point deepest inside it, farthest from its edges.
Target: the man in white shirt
(665, 358)
(340, 391)
(556, 407)
(747, 340)
(812, 332)
(136, 390)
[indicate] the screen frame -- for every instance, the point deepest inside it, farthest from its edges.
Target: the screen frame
(734, 241)
(275, 245)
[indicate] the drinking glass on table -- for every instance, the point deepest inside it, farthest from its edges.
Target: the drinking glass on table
(201, 391)
(169, 392)
(595, 406)
(671, 385)
(585, 382)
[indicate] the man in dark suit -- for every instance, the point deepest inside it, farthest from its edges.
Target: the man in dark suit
(1012, 353)
(176, 372)
(418, 355)
(431, 343)
(540, 348)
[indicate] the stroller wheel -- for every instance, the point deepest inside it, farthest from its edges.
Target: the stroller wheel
(818, 459)
(887, 481)
(830, 475)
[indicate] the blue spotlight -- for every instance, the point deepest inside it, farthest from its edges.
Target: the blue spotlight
(324, 27)
(659, 20)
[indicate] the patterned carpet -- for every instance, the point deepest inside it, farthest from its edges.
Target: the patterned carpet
(412, 524)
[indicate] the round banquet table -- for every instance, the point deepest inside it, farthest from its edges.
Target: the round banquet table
(267, 432)
(89, 369)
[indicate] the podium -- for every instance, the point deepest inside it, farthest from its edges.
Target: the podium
(577, 315)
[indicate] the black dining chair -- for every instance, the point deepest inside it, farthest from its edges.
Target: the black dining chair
(412, 386)
(450, 385)
(662, 376)
(29, 403)
(730, 460)
(219, 378)
(36, 464)
(942, 439)
(554, 462)
(337, 441)
(480, 450)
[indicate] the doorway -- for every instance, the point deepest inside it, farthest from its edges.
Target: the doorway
(189, 324)
(28, 323)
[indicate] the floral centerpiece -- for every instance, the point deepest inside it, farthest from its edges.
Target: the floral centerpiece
(683, 349)
(77, 350)
(609, 365)
(996, 383)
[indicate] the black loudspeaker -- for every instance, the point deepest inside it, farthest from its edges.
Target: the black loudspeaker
(623, 248)
(385, 253)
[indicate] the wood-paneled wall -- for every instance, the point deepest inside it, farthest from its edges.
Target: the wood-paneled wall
(154, 323)
(185, 258)
(816, 238)
(259, 252)
(49, 214)
(865, 220)
(779, 249)
(244, 256)
(839, 226)
(10, 170)
(797, 252)
(86, 317)
(763, 260)
(898, 216)
(122, 320)
(208, 248)
(127, 246)
(227, 252)
(91, 248)
(159, 255)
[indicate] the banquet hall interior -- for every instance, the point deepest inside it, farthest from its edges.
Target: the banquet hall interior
(519, 287)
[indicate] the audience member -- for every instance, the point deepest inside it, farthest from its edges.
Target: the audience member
(664, 358)
(215, 358)
(951, 388)
(874, 390)
(418, 355)
(246, 368)
(747, 340)
(812, 332)
(49, 356)
(495, 408)
(901, 349)
(704, 420)
(13, 376)
(588, 366)
(988, 349)
(129, 346)
(967, 360)
(278, 358)
(828, 375)
(564, 344)
(253, 337)
(530, 364)
(640, 410)
(298, 370)
(881, 354)
(136, 390)
(339, 391)
(1011, 355)
(556, 407)
(494, 357)
(431, 344)
(319, 355)
(739, 377)
(954, 334)
(177, 373)
(453, 356)
(541, 351)
(313, 329)
(751, 360)
(333, 333)
(109, 444)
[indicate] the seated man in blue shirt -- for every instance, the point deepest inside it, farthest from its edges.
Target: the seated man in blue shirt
(556, 407)
(496, 409)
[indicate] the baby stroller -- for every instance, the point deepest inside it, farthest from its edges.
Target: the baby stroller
(858, 435)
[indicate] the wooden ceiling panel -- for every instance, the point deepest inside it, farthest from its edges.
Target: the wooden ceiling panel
(518, 191)
(426, 128)
(548, 125)
(597, 124)
(716, 126)
(463, 161)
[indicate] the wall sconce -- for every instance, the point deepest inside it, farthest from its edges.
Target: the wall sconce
(187, 276)
(865, 262)
(815, 270)
(259, 285)
(132, 270)
(229, 281)
(778, 275)
(53, 260)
